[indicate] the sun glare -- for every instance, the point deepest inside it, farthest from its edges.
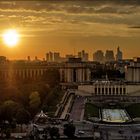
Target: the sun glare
(11, 38)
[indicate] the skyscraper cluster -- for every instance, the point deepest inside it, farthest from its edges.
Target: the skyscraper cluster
(99, 55)
(83, 55)
(53, 56)
(119, 54)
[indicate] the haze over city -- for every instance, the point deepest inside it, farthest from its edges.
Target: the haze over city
(70, 69)
(70, 26)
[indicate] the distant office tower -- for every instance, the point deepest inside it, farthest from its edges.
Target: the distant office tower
(83, 55)
(56, 56)
(36, 58)
(109, 55)
(53, 56)
(49, 56)
(98, 56)
(119, 54)
(28, 58)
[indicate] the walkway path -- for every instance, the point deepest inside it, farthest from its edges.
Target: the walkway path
(77, 112)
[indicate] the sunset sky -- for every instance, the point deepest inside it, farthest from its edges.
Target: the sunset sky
(70, 26)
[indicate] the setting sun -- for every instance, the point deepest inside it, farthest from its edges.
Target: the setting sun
(11, 37)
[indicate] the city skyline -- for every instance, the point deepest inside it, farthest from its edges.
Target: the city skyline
(98, 55)
(70, 26)
(70, 69)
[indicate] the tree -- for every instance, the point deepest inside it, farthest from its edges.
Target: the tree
(10, 92)
(7, 133)
(9, 109)
(5, 129)
(22, 117)
(69, 130)
(34, 102)
(52, 99)
(54, 132)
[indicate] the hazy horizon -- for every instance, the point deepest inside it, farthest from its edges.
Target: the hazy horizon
(69, 26)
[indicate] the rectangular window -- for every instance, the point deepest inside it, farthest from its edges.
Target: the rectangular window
(103, 91)
(95, 90)
(124, 90)
(120, 91)
(106, 91)
(113, 92)
(116, 91)
(109, 91)
(99, 90)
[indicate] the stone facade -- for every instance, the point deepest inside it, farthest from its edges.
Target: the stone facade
(132, 72)
(110, 88)
(77, 72)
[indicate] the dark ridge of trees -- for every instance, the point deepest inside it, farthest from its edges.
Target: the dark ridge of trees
(28, 97)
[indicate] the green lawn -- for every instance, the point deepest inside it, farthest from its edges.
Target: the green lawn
(91, 111)
(133, 110)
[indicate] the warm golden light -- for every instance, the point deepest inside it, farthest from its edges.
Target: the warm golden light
(11, 38)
